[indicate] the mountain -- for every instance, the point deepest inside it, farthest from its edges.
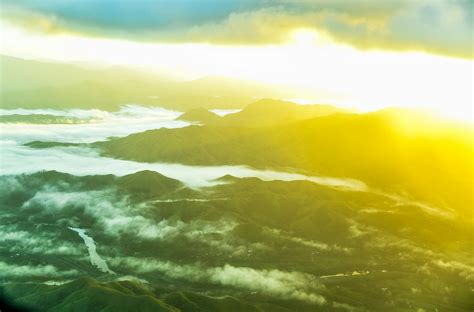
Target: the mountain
(200, 115)
(86, 294)
(263, 113)
(28, 74)
(148, 182)
(427, 158)
(39, 84)
(358, 250)
(140, 184)
(40, 119)
(25, 74)
(269, 112)
(192, 302)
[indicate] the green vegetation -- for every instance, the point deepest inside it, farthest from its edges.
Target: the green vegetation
(262, 113)
(200, 115)
(268, 112)
(33, 84)
(147, 242)
(86, 294)
(395, 151)
(43, 144)
(356, 249)
(40, 119)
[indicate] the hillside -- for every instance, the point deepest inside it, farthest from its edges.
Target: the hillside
(378, 148)
(36, 84)
(148, 183)
(40, 119)
(222, 252)
(86, 294)
(262, 113)
(200, 115)
(270, 112)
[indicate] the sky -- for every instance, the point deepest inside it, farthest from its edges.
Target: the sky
(364, 53)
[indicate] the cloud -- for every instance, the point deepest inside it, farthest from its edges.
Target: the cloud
(272, 282)
(101, 124)
(409, 248)
(305, 242)
(435, 26)
(146, 228)
(38, 243)
(13, 270)
(464, 270)
(115, 216)
(18, 159)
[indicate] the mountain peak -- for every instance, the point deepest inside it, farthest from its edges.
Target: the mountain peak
(199, 115)
(148, 181)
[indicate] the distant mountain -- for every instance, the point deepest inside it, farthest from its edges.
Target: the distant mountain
(40, 119)
(268, 112)
(46, 144)
(19, 74)
(200, 115)
(388, 149)
(37, 84)
(263, 113)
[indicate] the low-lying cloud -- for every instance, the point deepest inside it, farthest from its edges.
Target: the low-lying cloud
(35, 242)
(272, 282)
(18, 159)
(13, 270)
(80, 161)
(101, 124)
(115, 216)
(464, 270)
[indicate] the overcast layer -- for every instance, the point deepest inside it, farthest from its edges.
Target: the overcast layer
(436, 26)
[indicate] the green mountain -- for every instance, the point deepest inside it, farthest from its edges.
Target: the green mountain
(200, 115)
(269, 112)
(28, 74)
(395, 151)
(243, 244)
(248, 245)
(40, 119)
(35, 84)
(86, 294)
(148, 183)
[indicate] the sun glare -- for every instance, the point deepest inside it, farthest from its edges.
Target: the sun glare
(328, 71)
(285, 155)
(304, 38)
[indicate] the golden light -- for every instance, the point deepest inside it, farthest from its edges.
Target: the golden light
(328, 71)
(304, 37)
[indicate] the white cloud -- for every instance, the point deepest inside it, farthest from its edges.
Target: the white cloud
(17, 159)
(464, 270)
(272, 282)
(306, 242)
(13, 270)
(129, 119)
(41, 243)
